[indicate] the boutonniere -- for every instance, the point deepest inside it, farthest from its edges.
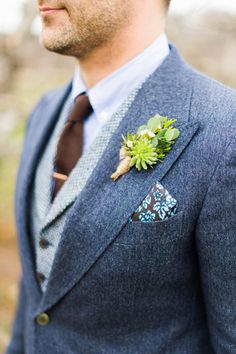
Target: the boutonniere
(148, 146)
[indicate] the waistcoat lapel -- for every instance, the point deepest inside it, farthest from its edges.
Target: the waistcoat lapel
(94, 220)
(40, 127)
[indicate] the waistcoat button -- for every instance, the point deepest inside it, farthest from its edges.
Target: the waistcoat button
(43, 243)
(40, 277)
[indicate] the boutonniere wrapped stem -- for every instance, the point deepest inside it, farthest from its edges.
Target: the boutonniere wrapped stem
(148, 146)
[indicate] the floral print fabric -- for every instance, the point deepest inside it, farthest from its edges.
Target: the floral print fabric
(158, 205)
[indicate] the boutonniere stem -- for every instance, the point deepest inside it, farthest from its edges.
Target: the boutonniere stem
(148, 146)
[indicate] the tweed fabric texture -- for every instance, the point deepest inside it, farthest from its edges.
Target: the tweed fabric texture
(122, 287)
(42, 186)
(72, 187)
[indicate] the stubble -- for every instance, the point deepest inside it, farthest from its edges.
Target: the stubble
(85, 25)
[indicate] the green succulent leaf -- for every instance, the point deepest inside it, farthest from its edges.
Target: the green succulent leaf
(133, 161)
(171, 134)
(176, 133)
(168, 122)
(155, 142)
(161, 133)
(144, 165)
(155, 123)
(123, 137)
(142, 127)
(138, 164)
(151, 162)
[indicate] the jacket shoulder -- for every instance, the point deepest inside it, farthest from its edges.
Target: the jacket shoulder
(55, 92)
(214, 106)
(212, 101)
(51, 96)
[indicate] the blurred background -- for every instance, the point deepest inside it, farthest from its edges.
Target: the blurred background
(203, 30)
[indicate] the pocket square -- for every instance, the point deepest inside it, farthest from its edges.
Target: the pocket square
(158, 205)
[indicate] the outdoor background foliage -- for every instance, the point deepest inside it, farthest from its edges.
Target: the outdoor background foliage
(205, 39)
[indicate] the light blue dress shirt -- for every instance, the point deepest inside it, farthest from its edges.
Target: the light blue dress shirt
(109, 93)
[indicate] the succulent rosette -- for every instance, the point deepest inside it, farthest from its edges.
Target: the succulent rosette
(148, 146)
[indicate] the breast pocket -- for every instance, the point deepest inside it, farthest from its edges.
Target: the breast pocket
(157, 232)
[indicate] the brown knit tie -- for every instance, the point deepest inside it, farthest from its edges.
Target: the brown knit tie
(70, 144)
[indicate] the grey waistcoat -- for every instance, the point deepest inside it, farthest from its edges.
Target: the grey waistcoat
(41, 204)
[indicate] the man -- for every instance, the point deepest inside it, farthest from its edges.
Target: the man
(99, 275)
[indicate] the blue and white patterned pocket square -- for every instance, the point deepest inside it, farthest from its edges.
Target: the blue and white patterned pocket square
(158, 205)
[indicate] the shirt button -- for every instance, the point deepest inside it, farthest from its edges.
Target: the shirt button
(42, 319)
(43, 243)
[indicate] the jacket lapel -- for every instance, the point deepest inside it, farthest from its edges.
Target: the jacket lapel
(40, 127)
(86, 235)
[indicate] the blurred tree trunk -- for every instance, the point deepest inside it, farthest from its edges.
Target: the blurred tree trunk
(9, 45)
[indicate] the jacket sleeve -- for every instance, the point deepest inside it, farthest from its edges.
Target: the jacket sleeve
(216, 247)
(16, 344)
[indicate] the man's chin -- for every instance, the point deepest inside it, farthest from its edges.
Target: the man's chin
(54, 44)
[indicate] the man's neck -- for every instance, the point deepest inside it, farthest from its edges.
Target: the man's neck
(127, 44)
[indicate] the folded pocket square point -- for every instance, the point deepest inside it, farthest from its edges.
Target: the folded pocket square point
(158, 205)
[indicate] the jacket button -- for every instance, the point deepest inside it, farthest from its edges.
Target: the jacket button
(42, 319)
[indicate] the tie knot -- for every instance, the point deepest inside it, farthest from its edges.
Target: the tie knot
(81, 109)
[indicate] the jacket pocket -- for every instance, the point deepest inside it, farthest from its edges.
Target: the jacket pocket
(156, 232)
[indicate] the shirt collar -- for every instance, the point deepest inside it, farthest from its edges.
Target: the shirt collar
(106, 96)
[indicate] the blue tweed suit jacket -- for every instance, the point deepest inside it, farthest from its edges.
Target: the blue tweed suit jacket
(120, 287)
